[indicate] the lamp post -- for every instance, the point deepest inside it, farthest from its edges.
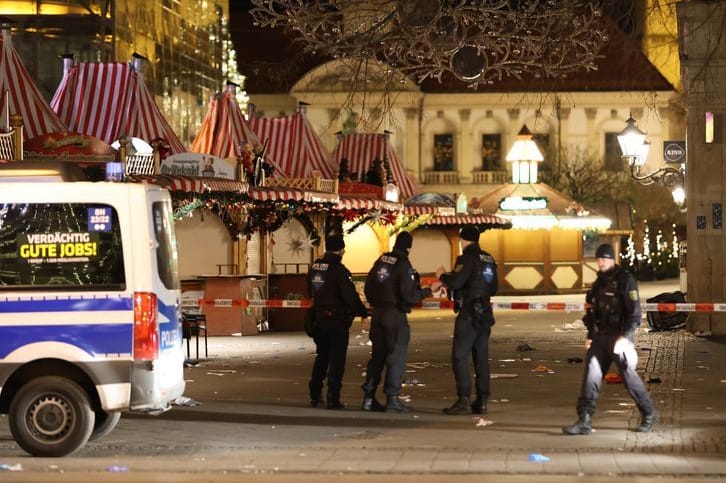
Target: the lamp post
(635, 151)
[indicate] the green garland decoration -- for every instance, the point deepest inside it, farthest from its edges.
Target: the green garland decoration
(186, 209)
(409, 223)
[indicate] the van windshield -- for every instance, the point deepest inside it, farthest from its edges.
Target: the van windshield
(60, 246)
(167, 260)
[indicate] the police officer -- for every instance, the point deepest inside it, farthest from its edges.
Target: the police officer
(612, 316)
(335, 305)
(392, 287)
(471, 284)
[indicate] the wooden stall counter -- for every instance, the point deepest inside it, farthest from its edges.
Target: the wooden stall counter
(222, 295)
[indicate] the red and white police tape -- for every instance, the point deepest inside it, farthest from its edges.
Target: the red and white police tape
(436, 304)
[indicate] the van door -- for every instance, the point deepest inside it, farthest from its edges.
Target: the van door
(157, 326)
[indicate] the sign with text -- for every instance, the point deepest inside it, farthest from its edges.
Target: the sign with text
(674, 152)
(197, 164)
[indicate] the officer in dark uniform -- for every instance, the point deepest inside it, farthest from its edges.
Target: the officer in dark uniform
(612, 316)
(471, 285)
(335, 305)
(392, 288)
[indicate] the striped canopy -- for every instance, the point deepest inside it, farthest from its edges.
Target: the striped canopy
(22, 95)
(107, 100)
(189, 184)
(294, 146)
(224, 128)
(361, 149)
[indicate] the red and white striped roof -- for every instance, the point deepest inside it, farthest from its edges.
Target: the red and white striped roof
(23, 97)
(361, 149)
(190, 184)
(259, 193)
(294, 147)
(224, 128)
(107, 100)
(353, 202)
(469, 220)
(429, 210)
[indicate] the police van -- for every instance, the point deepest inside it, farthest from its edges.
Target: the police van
(89, 308)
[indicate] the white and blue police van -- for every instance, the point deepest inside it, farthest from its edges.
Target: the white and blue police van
(89, 308)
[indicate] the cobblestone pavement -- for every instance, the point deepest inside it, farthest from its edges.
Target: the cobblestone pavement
(254, 417)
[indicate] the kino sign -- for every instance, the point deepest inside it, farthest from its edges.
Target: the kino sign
(674, 151)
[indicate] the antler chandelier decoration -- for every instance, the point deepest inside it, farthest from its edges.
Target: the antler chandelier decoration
(479, 41)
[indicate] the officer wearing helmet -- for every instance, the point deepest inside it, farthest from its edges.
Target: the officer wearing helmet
(472, 283)
(335, 303)
(613, 314)
(392, 287)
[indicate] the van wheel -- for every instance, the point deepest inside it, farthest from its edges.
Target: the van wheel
(51, 416)
(105, 422)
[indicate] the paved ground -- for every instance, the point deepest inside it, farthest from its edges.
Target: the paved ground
(254, 422)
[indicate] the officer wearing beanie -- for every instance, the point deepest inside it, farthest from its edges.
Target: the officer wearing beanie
(613, 314)
(335, 303)
(471, 284)
(392, 287)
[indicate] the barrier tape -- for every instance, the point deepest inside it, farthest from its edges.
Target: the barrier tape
(437, 304)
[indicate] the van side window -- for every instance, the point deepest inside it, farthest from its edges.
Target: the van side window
(62, 246)
(167, 260)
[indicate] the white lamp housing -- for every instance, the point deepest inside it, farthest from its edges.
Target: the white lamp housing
(524, 156)
(631, 140)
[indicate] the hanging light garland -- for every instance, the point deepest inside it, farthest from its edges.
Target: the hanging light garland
(243, 216)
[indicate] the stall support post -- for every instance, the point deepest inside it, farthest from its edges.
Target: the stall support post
(16, 123)
(122, 152)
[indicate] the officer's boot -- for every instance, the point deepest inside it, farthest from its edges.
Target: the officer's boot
(370, 403)
(647, 422)
(479, 406)
(583, 425)
(394, 404)
(461, 406)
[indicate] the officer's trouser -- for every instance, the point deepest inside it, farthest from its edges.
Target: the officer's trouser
(331, 349)
(471, 338)
(390, 335)
(597, 362)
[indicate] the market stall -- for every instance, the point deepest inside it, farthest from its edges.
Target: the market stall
(360, 151)
(284, 223)
(434, 220)
(293, 146)
(543, 252)
(20, 96)
(83, 103)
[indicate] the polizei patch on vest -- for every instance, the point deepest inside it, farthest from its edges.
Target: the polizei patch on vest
(317, 281)
(382, 274)
(633, 294)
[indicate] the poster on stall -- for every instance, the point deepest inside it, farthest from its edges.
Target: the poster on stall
(200, 165)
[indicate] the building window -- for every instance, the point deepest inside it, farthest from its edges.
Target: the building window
(491, 152)
(443, 152)
(613, 160)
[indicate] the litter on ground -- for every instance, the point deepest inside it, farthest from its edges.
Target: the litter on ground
(538, 458)
(483, 422)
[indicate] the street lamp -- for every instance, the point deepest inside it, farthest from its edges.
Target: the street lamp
(635, 150)
(524, 156)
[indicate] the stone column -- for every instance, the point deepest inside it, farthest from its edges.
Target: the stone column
(592, 141)
(702, 51)
(563, 134)
(412, 156)
(511, 136)
(464, 149)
